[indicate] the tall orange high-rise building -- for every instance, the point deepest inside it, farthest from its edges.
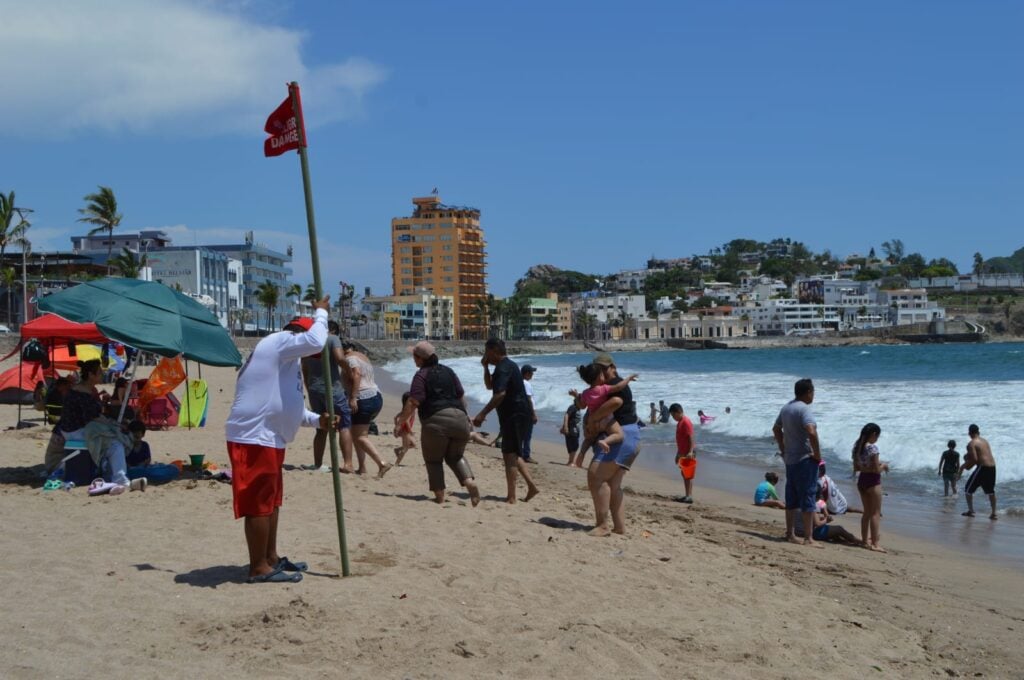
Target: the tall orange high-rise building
(440, 249)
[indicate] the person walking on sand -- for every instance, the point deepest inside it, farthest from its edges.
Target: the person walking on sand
(796, 433)
(365, 402)
(608, 468)
(316, 387)
(265, 416)
(527, 372)
(949, 468)
(514, 412)
(437, 395)
(686, 450)
(869, 484)
(979, 455)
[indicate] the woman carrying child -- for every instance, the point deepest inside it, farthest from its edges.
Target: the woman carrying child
(869, 484)
(609, 468)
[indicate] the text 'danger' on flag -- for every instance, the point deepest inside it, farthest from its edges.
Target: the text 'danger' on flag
(283, 128)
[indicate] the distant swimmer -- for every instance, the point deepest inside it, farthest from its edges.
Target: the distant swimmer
(653, 420)
(662, 412)
(704, 418)
(949, 468)
(979, 456)
(728, 410)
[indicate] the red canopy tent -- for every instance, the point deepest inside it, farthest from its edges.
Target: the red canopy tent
(19, 382)
(52, 328)
(52, 331)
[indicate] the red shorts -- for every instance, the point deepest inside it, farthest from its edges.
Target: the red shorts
(256, 480)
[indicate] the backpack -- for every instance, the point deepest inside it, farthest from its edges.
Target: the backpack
(35, 352)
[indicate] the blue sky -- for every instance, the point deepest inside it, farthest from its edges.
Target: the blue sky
(590, 134)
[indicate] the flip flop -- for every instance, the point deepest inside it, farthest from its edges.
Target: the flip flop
(276, 576)
(285, 564)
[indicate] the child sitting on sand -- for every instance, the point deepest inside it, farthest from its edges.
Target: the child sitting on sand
(140, 454)
(404, 431)
(765, 494)
(598, 393)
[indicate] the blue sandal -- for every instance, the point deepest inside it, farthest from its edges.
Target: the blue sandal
(285, 564)
(276, 576)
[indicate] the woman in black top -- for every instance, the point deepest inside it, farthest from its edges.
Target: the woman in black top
(82, 403)
(437, 395)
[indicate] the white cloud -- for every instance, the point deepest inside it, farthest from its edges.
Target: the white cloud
(170, 65)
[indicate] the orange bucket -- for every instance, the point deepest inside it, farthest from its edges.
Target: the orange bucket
(688, 466)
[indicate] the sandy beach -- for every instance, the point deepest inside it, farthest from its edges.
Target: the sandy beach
(152, 583)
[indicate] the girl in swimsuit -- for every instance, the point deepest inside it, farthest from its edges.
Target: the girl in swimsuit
(869, 484)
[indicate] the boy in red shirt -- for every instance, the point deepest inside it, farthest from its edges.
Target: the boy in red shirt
(686, 454)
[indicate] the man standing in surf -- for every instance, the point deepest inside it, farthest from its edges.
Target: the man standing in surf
(979, 454)
(796, 433)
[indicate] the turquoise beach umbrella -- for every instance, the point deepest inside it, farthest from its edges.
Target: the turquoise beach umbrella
(148, 316)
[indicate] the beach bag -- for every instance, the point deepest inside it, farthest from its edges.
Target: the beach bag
(35, 352)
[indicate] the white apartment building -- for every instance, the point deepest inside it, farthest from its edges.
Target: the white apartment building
(610, 307)
(910, 305)
(694, 327)
(633, 280)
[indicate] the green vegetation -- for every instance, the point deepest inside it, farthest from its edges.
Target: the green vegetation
(544, 278)
(1003, 265)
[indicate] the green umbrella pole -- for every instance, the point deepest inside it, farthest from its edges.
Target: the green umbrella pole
(293, 91)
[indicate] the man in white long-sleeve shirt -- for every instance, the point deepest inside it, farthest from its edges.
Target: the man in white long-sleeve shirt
(265, 416)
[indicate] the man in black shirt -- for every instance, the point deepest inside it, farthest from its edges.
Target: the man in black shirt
(514, 413)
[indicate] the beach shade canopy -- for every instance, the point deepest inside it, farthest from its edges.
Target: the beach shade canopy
(49, 327)
(148, 316)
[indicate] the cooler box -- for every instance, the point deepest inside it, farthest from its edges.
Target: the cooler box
(78, 465)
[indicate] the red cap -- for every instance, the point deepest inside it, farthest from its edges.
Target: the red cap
(303, 322)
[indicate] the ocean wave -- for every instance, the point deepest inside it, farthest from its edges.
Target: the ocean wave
(917, 417)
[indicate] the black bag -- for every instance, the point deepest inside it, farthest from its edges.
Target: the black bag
(35, 352)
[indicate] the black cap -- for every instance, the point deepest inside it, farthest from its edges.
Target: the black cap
(527, 368)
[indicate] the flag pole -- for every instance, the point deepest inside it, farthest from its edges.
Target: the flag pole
(296, 99)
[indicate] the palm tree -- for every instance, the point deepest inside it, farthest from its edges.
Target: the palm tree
(129, 263)
(482, 312)
(8, 277)
(268, 295)
(294, 291)
(101, 210)
(310, 295)
(11, 232)
(656, 315)
(551, 321)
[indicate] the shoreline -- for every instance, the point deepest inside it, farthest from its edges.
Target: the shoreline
(904, 516)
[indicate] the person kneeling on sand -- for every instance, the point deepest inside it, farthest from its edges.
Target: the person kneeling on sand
(765, 494)
(823, 531)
